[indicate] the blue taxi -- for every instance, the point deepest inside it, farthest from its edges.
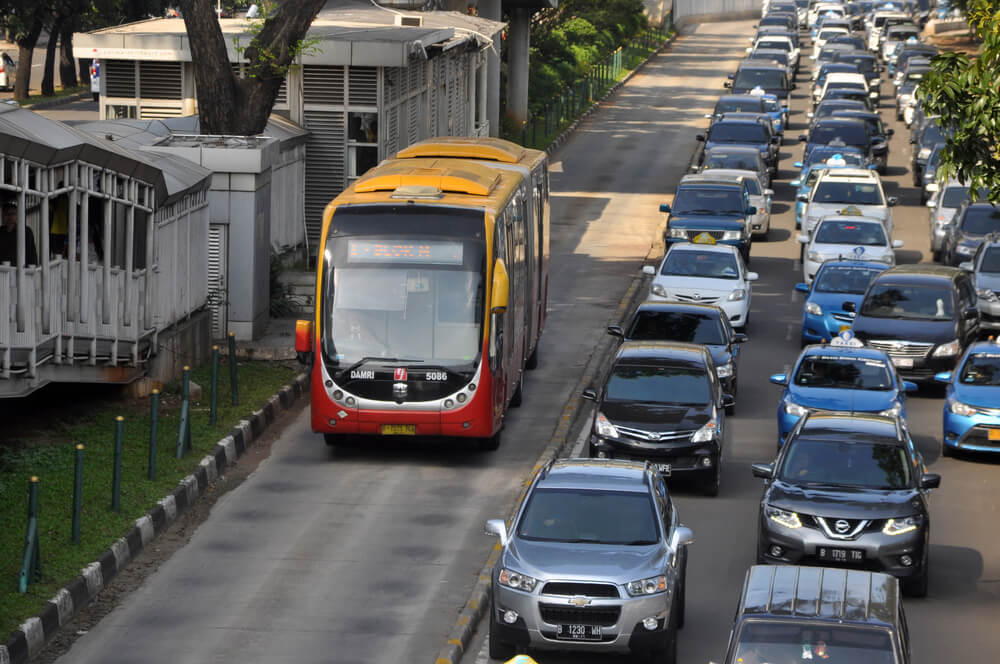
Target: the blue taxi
(972, 401)
(819, 159)
(835, 294)
(841, 376)
(773, 109)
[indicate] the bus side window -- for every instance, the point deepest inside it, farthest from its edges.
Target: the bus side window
(497, 320)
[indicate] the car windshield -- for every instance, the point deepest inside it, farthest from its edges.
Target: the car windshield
(846, 85)
(953, 196)
(845, 463)
(735, 160)
(770, 54)
(838, 279)
(768, 79)
(830, 34)
(858, 193)
(763, 642)
(981, 369)
(848, 134)
(863, 64)
(841, 92)
(991, 261)
(981, 219)
(685, 384)
(908, 301)
(711, 264)
(738, 132)
(850, 232)
(589, 516)
(698, 200)
(692, 328)
(774, 44)
(843, 373)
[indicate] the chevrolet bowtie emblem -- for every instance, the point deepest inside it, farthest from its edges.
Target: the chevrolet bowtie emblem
(579, 601)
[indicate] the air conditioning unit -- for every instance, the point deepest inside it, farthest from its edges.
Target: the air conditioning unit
(409, 21)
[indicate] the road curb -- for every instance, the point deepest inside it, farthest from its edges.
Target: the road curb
(51, 103)
(25, 643)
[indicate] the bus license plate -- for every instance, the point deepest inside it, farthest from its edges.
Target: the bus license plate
(664, 468)
(580, 632)
(903, 362)
(841, 555)
(399, 429)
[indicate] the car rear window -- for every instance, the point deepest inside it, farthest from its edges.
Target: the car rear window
(848, 134)
(708, 264)
(769, 79)
(980, 220)
(850, 232)
(738, 132)
(836, 279)
(857, 193)
(676, 326)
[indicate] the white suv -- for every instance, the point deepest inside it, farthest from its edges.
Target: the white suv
(851, 191)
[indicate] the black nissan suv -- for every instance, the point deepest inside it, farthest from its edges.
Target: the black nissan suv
(848, 490)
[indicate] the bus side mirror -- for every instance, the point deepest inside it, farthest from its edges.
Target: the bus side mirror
(501, 287)
(304, 341)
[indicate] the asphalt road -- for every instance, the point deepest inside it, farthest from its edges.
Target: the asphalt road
(367, 554)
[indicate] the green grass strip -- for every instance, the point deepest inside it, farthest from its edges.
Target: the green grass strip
(52, 462)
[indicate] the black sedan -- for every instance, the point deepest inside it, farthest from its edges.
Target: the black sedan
(879, 133)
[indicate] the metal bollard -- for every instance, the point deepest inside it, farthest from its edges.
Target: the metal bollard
(31, 561)
(116, 477)
(184, 424)
(154, 424)
(213, 413)
(233, 385)
(77, 493)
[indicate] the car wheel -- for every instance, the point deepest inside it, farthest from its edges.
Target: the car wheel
(936, 256)
(681, 597)
(731, 410)
(490, 444)
(666, 652)
(532, 362)
(516, 398)
(96, 95)
(498, 649)
(916, 586)
(711, 486)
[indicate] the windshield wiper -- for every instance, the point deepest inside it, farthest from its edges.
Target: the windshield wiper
(639, 542)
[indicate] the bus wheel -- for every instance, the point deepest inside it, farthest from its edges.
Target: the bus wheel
(532, 362)
(515, 399)
(332, 440)
(490, 444)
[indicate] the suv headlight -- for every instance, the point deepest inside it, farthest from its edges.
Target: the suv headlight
(732, 235)
(950, 348)
(795, 409)
(891, 412)
(605, 428)
(658, 289)
(782, 517)
(987, 294)
(738, 294)
(517, 581)
(650, 586)
(924, 153)
(815, 256)
(964, 249)
(724, 370)
(960, 408)
(705, 433)
(814, 309)
(678, 233)
(903, 525)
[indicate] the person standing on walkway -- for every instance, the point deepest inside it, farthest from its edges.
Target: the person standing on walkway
(8, 238)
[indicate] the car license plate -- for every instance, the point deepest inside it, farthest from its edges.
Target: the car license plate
(841, 555)
(843, 328)
(580, 632)
(399, 429)
(903, 362)
(993, 434)
(664, 468)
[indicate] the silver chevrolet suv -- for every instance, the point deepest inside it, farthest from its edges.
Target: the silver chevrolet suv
(594, 561)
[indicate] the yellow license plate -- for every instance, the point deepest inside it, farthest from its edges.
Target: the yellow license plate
(844, 327)
(994, 434)
(399, 429)
(703, 238)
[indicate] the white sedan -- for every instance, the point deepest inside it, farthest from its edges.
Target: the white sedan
(704, 274)
(842, 237)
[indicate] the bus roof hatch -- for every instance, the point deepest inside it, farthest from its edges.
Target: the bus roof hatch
(465, 178)
(493, 149)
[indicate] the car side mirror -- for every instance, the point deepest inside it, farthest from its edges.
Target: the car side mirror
(709, 116)
(810, 114)
(890, 132)
(682, 537)
(892, 201)
(764, 471)
(752, 276)
(649, 269)
(802, 239)
(896, 244)
(943, 377)
(802, 198)
(740, 338)
(497, 527)
(728, 400)
(665, 207)
(304, 342)
(797, 164)
(802, 287)
(967, 266)
(849, 307)
(769, 192)
(616, 331)
(700, 138)
(931, 187)
(909, 386)
(727, 84)
(930, 481)
(776, 140)
(803, 138)
(779, 379)
(589, 393)
(932, 204)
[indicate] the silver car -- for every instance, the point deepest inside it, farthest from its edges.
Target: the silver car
(985, 267)
(941, 208)
(760, 197)
(594, 561)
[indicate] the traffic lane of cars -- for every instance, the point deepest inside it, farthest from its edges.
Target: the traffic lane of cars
(951, 620)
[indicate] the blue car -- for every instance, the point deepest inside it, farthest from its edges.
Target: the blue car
(838, 283)
(810, 173)
(777, 113)
(972, 401)
(841, 376)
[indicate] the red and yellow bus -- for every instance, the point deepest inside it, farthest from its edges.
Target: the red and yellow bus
(431, 290)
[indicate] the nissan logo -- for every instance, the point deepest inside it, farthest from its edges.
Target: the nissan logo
(841, 526)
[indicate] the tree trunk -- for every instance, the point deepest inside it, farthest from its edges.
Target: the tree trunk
(48, 72)
(241, 106)
(84, 68)
(25, 48)
(67, 64)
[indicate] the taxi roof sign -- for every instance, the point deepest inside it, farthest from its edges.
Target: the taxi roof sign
(757, 91)
(836, 160)
(846, 339)
(520, 659)
(851, 211)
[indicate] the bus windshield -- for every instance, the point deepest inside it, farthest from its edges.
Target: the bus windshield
(394, 294)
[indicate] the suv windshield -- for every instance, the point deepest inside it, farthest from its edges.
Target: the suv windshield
(981, 219)
(850, 232)
(699, 200)
(908, 301)
(981, 369)
(858, 193)
(768, 79)
(752, 105)
(582, 515)
(736, 160)
(738, 132)
(676, 326)
(848, 464)
(865, 65)
(953, 196)
(840, 372)
(852, 280)
(685, 384)
(761, 642)
(847, 134)
(689, 263)
(991, 261)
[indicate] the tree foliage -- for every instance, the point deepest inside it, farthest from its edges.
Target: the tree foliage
(965, 92)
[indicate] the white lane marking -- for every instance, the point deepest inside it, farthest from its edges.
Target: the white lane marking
(580, 440)
(483, 656)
